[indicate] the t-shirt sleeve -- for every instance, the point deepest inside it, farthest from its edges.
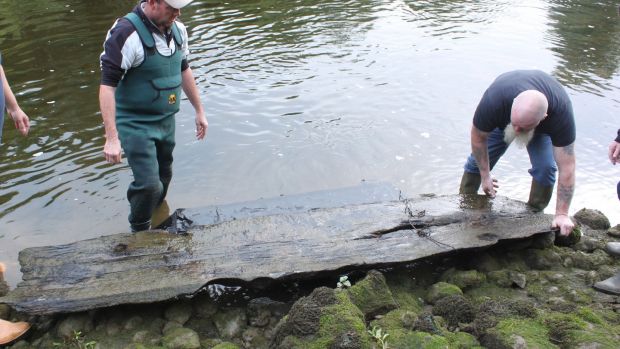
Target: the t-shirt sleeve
(487, 113)
(618, 136)
(564, 131)
(120, 52)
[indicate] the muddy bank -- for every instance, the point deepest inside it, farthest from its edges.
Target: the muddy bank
(527, 293)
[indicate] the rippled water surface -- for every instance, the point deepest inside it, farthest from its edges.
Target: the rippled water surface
(301, 96)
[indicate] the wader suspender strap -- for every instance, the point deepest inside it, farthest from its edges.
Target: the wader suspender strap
(145, 34)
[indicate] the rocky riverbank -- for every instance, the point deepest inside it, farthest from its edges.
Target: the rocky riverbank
(530, 293)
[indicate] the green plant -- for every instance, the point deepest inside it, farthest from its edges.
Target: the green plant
(378, 335)
(344, 282)
(77, 342)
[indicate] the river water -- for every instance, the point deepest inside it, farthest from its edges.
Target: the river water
(301, 96)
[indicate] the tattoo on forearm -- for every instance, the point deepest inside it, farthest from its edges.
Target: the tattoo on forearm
(569, 149)
(565, 193)
(479, 154)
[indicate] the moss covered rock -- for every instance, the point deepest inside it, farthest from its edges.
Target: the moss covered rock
(492, 311)
(441, 290)
(542, 259)
(454, 309)
(463, 278)
(226, 345)
(372, 295)
(518, 333)
(583, 328)
(181, 338)
(594, 219)
(589, 261)
(462, 340)
(324, 319)
(569, 240)
(416, 340)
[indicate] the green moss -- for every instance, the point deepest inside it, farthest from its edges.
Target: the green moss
(500, 278)
(464, 278)
(372, 295)
(407, 298)
(338, 319)
(418, 340)
(571, 239)
(142, 346)
(226, 345)
(583, 328)
(396, 319)
(532, 331)
(488, 290)
(462, 340)
(441, 290)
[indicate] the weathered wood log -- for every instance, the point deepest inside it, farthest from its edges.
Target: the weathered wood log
(154, 266)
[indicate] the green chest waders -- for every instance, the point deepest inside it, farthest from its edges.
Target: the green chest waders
(147, 99)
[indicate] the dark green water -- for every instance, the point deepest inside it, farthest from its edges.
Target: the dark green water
(300, 96)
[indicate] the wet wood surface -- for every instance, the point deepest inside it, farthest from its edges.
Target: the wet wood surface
(294, 242)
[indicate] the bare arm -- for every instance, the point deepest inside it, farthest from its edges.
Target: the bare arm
(480, 150)
(614, 152)
(191, 91)
(565, 158)
(107, 103)
(22, 123)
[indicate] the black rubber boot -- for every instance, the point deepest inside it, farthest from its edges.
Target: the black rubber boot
(611, 285)
(140, 226)
(540, 196)
(470, 182)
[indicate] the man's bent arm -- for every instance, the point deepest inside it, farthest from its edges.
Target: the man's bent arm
(480, 150)
(191, 91)
(107, 103)
(565, 158)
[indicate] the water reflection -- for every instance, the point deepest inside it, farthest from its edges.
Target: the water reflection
(585, 38)
(301, 96)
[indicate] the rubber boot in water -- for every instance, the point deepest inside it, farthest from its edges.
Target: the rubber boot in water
(11, 331)
(470, 182)
(540, 196)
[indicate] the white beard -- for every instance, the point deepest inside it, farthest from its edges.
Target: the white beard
(523, 139)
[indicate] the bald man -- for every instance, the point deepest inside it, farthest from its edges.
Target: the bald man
(532, 109)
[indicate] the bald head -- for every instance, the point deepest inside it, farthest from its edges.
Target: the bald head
(529, 108)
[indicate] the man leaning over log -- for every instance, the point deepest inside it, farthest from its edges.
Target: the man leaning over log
(531, 108)
(143, 69)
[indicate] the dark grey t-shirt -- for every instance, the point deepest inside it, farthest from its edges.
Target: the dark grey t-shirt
(494, 108)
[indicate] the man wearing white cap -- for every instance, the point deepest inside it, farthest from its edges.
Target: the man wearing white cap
(143, 69)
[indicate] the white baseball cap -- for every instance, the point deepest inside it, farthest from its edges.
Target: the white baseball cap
(178, 3)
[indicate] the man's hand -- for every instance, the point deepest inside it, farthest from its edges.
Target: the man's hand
(201, 126)
(563, 222)
(614, 152)
(112, 151)
(489, 184)
(22, 123)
